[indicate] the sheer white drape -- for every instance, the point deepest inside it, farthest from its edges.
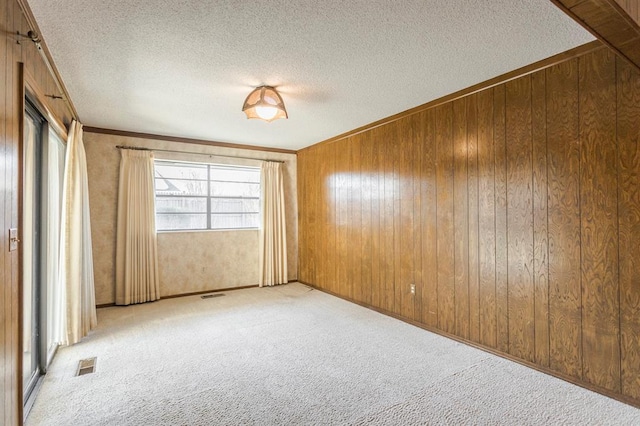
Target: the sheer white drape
(273, 238)
(136, 253)
(78, 314)
(55, 176)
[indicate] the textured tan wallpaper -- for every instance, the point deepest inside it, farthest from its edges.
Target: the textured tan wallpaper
(188, 261)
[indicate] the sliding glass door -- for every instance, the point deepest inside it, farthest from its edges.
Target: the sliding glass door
(43, 168)
(31, 206)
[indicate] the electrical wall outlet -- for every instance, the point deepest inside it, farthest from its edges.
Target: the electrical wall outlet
(413, 289)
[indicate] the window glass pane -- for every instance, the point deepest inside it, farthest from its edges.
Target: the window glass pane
(235, 174)
(235, 205)
(233, 189)
(180, 204)
(230, 221)
(171, 170)
(180, 187)
(181, 221)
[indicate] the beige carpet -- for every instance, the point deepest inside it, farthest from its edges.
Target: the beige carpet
(290, 355)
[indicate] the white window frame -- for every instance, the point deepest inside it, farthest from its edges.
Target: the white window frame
(207, 197)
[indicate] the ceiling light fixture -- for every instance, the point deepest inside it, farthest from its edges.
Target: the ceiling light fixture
(264, 103)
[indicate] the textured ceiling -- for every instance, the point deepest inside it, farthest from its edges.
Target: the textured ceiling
(184, 67)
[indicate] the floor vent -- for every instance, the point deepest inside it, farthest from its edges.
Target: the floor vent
(86, 366)
(211, 296)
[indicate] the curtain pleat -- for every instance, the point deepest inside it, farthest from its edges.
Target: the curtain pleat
(78, 314)
(137, 278)
(273, 241)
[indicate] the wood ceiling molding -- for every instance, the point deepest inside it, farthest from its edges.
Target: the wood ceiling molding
(615, 22)
(128, 134)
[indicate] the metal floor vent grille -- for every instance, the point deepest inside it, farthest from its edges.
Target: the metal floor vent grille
(86, 366)
(210, 296)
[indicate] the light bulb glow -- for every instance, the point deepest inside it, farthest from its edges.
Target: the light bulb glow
(266, 112)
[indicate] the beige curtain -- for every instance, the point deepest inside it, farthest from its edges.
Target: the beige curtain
(78, 313)
(273, 238)
(136, 253)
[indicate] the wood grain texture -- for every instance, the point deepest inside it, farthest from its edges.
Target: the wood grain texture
(461, 218)
(405, 300)
(486, 220)
(509, 209)
(628, 109)
(614, 22)
(418, 129)
(367, 187)
(387, 219)
(355, 220)
(632, 7)
(500, 194)
(302, 195)
(377, 202)
(473, 214)
(342, 178)
(521, 307)
(428, 196)
(7, 412)
(396, 139)
(445, 218)
(599, 221)
(563, 170)
(540, 237)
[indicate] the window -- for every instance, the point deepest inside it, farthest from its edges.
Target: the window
(197, 196)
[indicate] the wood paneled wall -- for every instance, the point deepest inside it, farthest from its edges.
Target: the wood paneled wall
(12, 54)
(632, 7)
(515, 211)
(614, 22)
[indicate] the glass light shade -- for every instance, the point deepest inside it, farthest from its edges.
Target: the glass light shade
(264, 103)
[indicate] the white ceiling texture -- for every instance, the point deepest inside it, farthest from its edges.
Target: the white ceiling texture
(184, 67)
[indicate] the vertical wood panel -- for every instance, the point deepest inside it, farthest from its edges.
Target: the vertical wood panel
(487, 224)
(396, 141)
(355, 222)
(376, 225)
(367, 174)
(502, 296)
(428, 195)
(628, 107)
(599, 227)
(417, 139)
(472, 182)
(404, 298)
(540, 246)
(387, 264)
(563, 166)
(520, 219)
(302, 210)
(461, 219)
(5, 268)
(14, 394)
(445, 223)
(342, 180)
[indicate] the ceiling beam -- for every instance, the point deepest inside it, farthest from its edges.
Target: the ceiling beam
(615, 22)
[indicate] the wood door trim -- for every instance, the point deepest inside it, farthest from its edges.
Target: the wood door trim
(31, 87)
(511, 75)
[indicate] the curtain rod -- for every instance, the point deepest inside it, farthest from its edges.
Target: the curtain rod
(138, 148)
